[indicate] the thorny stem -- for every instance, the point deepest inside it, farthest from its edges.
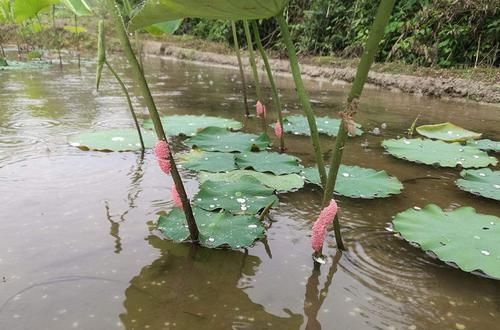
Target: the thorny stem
(153, 112)
(130, 106)
(240, 64)
(376, 34)
(303, 97)
(276, 97)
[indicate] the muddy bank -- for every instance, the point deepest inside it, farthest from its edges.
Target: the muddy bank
(437, 87)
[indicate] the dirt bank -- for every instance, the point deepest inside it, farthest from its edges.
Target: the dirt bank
(429, 86)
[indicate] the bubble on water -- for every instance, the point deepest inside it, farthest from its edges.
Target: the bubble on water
(482, 174)
(211, 239)
(118, 138)
(252, 226)
(417, 208)
(484, 252)
(241, 200)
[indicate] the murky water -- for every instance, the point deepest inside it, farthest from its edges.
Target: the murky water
(76, 250)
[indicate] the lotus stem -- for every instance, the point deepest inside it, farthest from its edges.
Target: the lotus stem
(276, 97)
(153, 112)
(258, 89)
(56, 34)
(240, 65)
(77, 41)
(375, 36)
(129, 101)
(303, 97)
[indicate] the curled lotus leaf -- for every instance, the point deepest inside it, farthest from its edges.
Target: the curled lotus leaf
(247, 196)
(217, 229)
(272, 162)
(461, 236)
(189, 125)
(125, 139)
(447, 132)
(483, 182)
(280, 183)
(220, 139)
(359, 182)
(435, 152)
(298, 125)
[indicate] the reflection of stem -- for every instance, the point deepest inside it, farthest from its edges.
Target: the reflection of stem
(240, 64)
(153, 112)
(130, 106)
(276, 97)
(303, 97)
(314, 298)
(115, 228)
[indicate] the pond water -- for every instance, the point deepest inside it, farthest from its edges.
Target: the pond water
(77, 249)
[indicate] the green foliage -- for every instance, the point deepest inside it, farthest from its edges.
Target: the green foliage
(26, 9)
(483, 182)
(220, 139)
(447, 132)
(121, 139)
(189, 125)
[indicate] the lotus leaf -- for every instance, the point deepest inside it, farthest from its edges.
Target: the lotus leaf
(298, 125)
(447, 132)
(432, 152)
(216, 228)
(125, 139)
(247, 196)
(483, 182)
(220, 139)
(281, 183)
(156, 11)
(198, 160)
(168, 27)
(462, 236)
(78, 7)
(485, 144)
(265, 161)
(359, 182)
(26, 9)
(189, 125)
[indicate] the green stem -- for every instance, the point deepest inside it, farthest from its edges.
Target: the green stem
(56, 34)
(251, 58)
(129, 101)
(276, 97)
(77, 40)
(153, 112)
(375, 36)
(303, 97)
(240, 64)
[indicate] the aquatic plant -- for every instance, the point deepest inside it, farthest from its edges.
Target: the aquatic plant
(240, 66)
(320, 227)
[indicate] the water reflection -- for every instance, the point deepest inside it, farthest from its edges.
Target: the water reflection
(197, 288)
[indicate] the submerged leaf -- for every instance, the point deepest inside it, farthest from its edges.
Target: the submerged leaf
(189, 125)
(197, 160)
(220, 139)
(156, 11)
(485, 144)
(447, 132)
(432, 152)
(265, 161)
(280, 183)
(359, 182)
(483, 182)
(298, 125)
(216, 228)
(247, 196)
(462, 236)
(122, 139)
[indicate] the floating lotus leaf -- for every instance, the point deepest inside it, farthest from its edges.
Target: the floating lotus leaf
(198, 160)
(265, 161)
(189, 125)
(247, 196)
(280, 183)
(216, 228)
(18, 65)
(298, 125)
(483, 182)
(156, 11)
(220, 139)
(440, 153)
(485, 144)
(462, 236)
(359, 182)
(447, 132)
(125, 139)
